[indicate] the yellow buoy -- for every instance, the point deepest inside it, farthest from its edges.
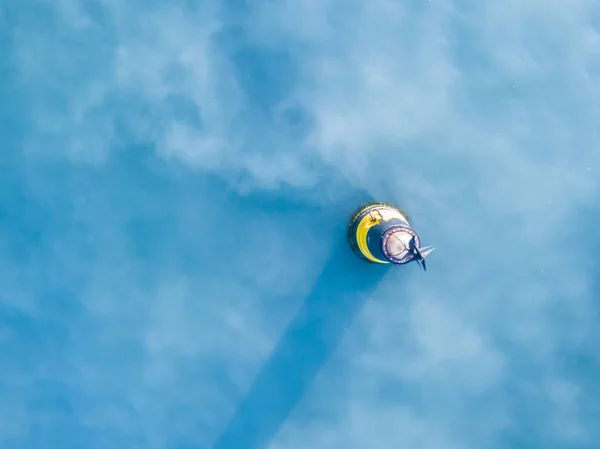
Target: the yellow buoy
(381, 233)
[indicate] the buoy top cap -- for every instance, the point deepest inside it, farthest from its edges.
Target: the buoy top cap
(398, 243)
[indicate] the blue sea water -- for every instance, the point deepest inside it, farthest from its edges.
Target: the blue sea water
(176, 181)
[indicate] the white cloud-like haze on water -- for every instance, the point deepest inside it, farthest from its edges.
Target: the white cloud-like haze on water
(481, 120)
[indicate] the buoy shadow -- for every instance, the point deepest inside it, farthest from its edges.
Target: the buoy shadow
(339, 293)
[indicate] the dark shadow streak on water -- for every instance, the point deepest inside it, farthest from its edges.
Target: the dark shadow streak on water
(339, 293)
